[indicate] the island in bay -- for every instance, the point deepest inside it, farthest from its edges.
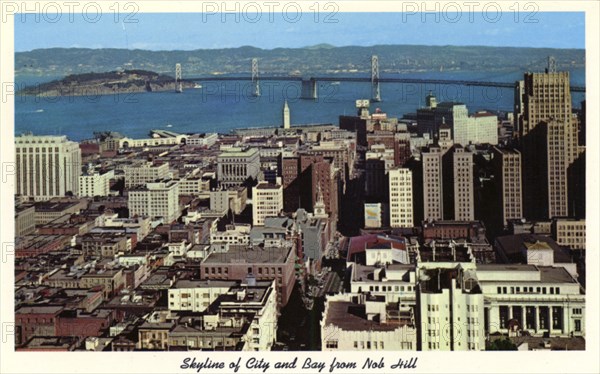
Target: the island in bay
(113, 82)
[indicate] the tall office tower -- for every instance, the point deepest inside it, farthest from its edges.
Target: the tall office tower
(401, 202)
(433, 202)
(480, 128)
(286, 116)
(457, 171)
(402, 151)
(302, 176)
(375, 179)
(47, 166)
(548, 140)
(267, 201)
(507, 171)
(291, 183)
(319, 172)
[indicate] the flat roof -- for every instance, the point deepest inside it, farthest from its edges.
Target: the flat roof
(51, 342)
(244, 255)
(267, 186)
(550, 274)
(53, 206)
(46, 309)
(349, 316)
(188, 283)
(511, 267)
(238, 152)
(513, 246)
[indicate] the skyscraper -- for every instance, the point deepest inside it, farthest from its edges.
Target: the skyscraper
(433, 202)
(47, 166)
(507, 171)
(463, 185)
(457, 171)
(548, 140)
(401, 202)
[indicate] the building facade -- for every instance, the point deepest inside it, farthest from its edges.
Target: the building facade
(355, 322)
(458, 184)
(236, 165)
(142, 173)
(95, 184)
(157, 199)
(569, 232)
(433, 200)
(401, 201)
(47, 166)
(548, 140)
(267, 201)
(507, 170)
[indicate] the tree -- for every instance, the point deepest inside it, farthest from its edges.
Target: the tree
(502, 345)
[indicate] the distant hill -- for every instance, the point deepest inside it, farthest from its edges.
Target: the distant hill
(320, 58)
(105, 83)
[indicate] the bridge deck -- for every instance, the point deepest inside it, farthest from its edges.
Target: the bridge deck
(368, 79)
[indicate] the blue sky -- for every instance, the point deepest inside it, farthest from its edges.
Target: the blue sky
(171, 31)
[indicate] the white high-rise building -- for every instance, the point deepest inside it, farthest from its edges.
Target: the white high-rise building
(401, 198)
(486, 125)
(47, 166)
(480, 128)
(157, 199)
(139, 174)
(267, 201)
(95, 184)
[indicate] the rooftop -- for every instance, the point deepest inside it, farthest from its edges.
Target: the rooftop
(52, 342)
(512, 246)
(250, 255)
(189, 283)
(267, 186)
(483, 114)
(50, 206)
(550, 274)
(350, 316)
(46, 309)
(506, 267)
(238, 152)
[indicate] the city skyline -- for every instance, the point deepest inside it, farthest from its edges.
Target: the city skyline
(421, 194)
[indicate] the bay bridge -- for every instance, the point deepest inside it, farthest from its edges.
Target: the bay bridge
(310, 84)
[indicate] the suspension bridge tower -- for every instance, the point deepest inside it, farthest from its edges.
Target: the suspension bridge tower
(178, 82)
(551, 65)
(375, 91)
(255, 82)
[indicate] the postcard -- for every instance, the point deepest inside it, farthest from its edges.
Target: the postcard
(299, 187)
